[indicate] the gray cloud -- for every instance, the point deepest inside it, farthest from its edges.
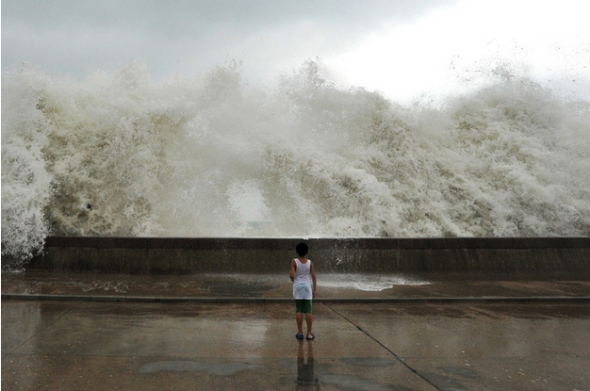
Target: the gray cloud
(75, 37)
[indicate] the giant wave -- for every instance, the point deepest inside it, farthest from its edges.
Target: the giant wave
(120, 154)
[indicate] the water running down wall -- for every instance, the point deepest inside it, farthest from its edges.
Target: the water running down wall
(120, 155)
(463, 258)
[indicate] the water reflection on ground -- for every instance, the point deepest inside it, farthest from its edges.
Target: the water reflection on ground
(306, 366)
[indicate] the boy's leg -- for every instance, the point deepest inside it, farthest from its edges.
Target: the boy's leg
(299, 318)
(308, 316)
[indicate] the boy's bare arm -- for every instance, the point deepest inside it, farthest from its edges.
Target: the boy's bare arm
(313, 279)
(293, 267)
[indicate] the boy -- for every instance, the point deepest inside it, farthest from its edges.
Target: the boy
(303, 274)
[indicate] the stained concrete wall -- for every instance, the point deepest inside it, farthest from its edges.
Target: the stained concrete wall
(514, 258)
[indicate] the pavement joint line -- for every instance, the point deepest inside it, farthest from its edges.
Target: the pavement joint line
(12, 352)
(398, 358)
(254, 300)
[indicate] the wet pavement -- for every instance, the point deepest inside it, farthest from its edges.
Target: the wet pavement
(64, 331)
(272, 287)
(69, 345)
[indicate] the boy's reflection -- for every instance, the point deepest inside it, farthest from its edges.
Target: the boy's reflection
(305, 370)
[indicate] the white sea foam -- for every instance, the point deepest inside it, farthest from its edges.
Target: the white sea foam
(118, 154)
(367, 282)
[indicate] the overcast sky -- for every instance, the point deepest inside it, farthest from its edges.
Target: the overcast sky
(399, 47)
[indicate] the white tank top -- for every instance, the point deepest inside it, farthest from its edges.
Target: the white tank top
(302, 274)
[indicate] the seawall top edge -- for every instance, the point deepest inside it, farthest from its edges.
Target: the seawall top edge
(216, 243)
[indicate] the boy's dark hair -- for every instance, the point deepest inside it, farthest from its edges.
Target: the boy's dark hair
(302, 249)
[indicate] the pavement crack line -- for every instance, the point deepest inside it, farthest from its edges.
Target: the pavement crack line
(398, 358)
(76, 305)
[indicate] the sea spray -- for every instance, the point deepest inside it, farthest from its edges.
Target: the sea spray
(119, 154)
(26, 184)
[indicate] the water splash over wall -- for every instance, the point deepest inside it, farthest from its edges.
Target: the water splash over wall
(119, 154)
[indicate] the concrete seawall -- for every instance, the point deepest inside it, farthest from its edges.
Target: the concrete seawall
(440, 258)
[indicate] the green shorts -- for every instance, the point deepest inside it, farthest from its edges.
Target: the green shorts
(303, 306)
